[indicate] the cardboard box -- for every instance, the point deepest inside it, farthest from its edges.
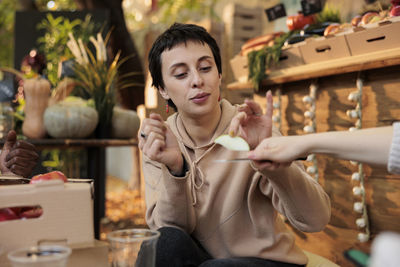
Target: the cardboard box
(67, 214)
(290, 57)
(385, 35)
(324, 49)
(240, 68)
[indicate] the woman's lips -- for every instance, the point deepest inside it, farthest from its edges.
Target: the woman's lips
(200, 98)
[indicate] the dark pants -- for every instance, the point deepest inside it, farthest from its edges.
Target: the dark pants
(176, 248)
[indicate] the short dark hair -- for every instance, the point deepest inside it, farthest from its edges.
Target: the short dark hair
(177, 34)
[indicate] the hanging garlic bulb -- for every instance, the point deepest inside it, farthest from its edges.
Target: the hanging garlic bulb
(362, 237)
(309, 114)
(354, 96)
(311, 169)
(307, 99)
(360, 222)
(276, 105)
(357, 190)
(308, 129)
(355, 176)
(353, 113)
(311, 157)
(358, 207)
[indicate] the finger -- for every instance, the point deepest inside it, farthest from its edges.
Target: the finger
(156, 116)
(270, 106)
(153, 151)
(20, 161)
(255, 108)
(20, 170)
(150, 142)
(22, 153)
(236, 122)
(10, 140)
(24, 145)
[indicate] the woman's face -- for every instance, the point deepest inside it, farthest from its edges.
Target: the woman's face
(191, 78)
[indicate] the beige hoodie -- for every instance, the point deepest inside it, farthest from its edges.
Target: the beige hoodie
(231, 208)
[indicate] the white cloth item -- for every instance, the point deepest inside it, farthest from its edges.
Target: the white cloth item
(385, 250)
(394, 156)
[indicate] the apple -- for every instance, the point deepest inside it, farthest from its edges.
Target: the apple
(232, 142)
(395, 11)
(7, 214)
(48, 176)
(31, 212)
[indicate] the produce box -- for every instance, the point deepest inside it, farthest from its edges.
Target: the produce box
(384, 35)
(66, 214)
(290, 57)
(324, 48)
(240, 68)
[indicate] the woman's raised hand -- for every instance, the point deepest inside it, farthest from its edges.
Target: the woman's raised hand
(251, 124)
(158, 143)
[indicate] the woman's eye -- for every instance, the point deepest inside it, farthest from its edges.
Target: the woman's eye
(205, 68)
(180, 75)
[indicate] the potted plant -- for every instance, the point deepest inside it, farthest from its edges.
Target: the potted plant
(97, 77)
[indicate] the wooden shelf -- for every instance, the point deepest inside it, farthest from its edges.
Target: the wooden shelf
(373, 60)
(40, 143)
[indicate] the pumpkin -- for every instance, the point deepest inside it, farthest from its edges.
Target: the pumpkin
(70, 118)
(125, 123)
(37, 94)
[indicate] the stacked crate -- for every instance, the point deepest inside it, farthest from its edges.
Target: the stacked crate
(241, 24)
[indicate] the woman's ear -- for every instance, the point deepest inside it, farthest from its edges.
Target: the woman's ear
(163, 93)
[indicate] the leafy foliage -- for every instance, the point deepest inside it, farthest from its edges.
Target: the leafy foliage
(262, 59)
(53, 42)
(184, 10)
(328, 14)
(6, 31)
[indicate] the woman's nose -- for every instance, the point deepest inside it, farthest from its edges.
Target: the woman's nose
(197, 80)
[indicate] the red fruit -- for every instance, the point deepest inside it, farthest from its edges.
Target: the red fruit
(297, 22)
(48, 176)
(31, 212)
(395, 11)
(7, 214)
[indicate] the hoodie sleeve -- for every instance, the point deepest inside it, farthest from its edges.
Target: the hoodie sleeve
(168, 198)
(295, 194)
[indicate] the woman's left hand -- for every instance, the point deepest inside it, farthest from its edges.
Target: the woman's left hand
(251, 124)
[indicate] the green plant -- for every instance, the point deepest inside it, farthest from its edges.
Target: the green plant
(179, 10)
(6, 31)
(53, 43)
(328, 14)
(96, 77)
(261, 60)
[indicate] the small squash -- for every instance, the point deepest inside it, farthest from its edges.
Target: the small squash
(70, 118)
(37, 94)
(125, 123)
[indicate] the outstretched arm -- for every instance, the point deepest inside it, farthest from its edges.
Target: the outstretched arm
(370, 146)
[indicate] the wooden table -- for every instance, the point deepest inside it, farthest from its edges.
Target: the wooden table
(96, 165)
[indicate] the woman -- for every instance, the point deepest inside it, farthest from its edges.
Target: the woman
(209, 213)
